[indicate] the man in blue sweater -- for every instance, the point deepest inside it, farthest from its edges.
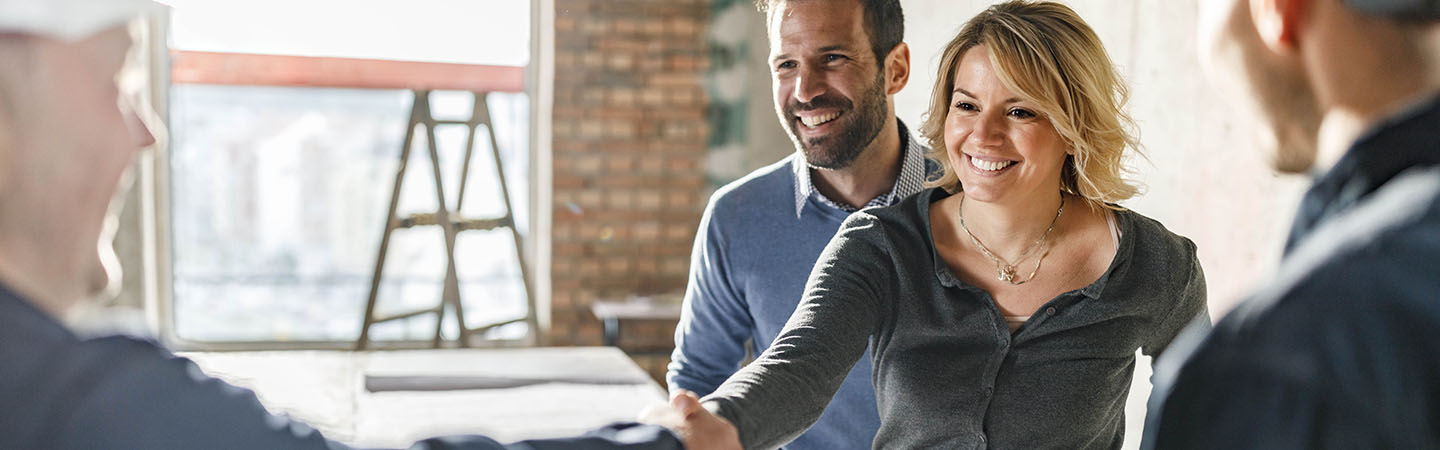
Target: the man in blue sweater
(68, 131)
(836, 66)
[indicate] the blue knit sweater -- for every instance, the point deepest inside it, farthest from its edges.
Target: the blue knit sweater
(751, 260)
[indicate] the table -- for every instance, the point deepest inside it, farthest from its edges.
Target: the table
(612, 312)
(326, 389)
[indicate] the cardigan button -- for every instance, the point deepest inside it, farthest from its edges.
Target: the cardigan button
(1050, 311)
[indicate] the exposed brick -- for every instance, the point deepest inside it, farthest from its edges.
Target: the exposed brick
(684, 26)
(634, 116)
(562, 300)
(619, 199)
(621, 45)
(653, 26)
(562, 232)
(589, 333)
(650, 64)
(621, 62)
(652, 97)
(629, 137)
(650, 201)
(620, 129)
(680, 129)
(617, 266)
(647, 231)
(590, 199)
(588, 268)
(680, 165)
(626, 26)
(683, 97)
(622, 96)
(587, 164)
(614, 181)
(589, 129)
(592, 60)
(592, 97)
(565, 24)
(568, 250)
(679, 232)
(595, 27)
(620, 164)
(569, 183)
(671, 79)
(674, 266)
(684, 62)
(565, 58)
(563, 129)
(679, 200)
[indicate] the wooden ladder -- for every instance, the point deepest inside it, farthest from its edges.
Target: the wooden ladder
(449, 220)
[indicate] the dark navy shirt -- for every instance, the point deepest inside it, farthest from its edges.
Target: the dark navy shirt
(1342, 348)
(58, 392)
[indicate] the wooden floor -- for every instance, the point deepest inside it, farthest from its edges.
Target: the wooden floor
(597, 385)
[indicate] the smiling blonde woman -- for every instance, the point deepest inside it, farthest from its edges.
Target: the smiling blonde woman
(1004, 305)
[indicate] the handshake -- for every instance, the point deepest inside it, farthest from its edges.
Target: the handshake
(697, 427)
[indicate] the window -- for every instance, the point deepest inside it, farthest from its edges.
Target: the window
(279, 192)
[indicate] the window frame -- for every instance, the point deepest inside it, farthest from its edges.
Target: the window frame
(153, 184)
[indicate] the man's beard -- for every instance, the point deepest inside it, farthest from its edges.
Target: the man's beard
(838, 151)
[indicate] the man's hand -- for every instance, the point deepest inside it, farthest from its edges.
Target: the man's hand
(697, 427)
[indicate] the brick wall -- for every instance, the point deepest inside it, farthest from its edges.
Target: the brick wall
(629, 141)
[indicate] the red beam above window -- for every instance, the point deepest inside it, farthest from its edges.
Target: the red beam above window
(187, 67)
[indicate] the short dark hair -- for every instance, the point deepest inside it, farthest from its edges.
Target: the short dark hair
(884, 22)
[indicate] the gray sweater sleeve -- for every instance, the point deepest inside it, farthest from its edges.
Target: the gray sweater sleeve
(1190, 309)
(776, 398)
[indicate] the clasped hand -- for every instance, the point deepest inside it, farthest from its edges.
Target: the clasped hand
(697, 427)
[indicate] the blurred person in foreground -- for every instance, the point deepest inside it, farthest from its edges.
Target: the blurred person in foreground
(68, 131)
(1005, 304)
(1341, 348)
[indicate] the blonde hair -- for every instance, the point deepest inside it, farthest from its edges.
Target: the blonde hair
(1046, 54)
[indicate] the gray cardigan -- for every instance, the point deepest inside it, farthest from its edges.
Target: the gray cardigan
(947, 371)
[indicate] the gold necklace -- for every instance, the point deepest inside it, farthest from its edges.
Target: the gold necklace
(1004, 270)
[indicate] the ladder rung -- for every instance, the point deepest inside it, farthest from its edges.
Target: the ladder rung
(460, 224)
(405, 315)
(484, 328)
(422, 114)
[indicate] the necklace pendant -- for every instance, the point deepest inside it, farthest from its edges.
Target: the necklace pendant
(1006, 273)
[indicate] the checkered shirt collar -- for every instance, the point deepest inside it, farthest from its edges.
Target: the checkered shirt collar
(910, 181)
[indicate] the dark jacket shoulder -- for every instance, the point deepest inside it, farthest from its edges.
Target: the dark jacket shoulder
(1377, 258)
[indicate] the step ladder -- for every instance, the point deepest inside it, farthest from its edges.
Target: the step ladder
(451, 221)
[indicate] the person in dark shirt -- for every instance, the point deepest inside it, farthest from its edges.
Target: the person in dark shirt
(68, 131)
(1341, 348)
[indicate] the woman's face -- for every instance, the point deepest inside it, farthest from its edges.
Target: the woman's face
(999, 145)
